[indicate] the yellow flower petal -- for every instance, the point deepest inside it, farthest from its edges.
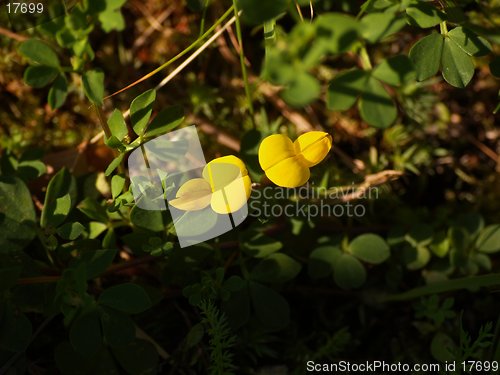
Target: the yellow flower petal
(222, 171)
(275, 149)
(193, 195)
(229, 159)
(232, 197)
(286, 163)
(289, 173)
(313, 147)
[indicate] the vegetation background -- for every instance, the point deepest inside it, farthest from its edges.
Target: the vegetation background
(92, 284)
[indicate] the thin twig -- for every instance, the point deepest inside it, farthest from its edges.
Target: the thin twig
(195, 54)
(178, 56)
(12, 35)
(221, 136)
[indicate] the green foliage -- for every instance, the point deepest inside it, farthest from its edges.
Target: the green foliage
(17, 215)
(141, 110)
(370, 248)
(256, 12)
(93, 284)
(128, 298)
(276, 268)
(39, 53)
(221, 339)
(348, 272)
(93, 86)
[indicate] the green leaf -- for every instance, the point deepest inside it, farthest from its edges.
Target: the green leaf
(139, 357)
(257, 12)
(17, 215)
(128, 298)
(376, 106)
(85, 334)
(15, 330)
(117, 125)
(472, 222)
(426, 55)
(370, 6)
(301, 90)
(420, 235)
(489, 239)
(237, 306)
(141, 110)
(96, 228)
(112, 20)
(345, 88)
(165, 121)
(339, 31)
(93, 209)
(260, 245)
(93, 86)
(416, 258)
(114, 142)
(424, 15)
(459, 242)
(58, 199)
(440, 245)
(31, 167)
(117, 185)
(195, 335)
(99, 261)
(70, 231)
(470, 42)
(62, 209)
(443, 348)
(322, 261)
(58, 92)
(39, 53)
(348, 272)
(148, 219)
(276, 268)
(118, 328)
(270, 307)
(114, 164)
(395, 70)
(456, 65)
(482, 261)
(377, 26)
(370, 248)
(40, 75)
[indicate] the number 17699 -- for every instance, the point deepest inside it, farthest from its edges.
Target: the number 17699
(24, 8)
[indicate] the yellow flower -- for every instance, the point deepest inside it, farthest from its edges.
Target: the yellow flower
(225, 186)
(287, 163)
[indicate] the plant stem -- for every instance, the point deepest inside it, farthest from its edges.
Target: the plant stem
(269, 36)
(270, 32)
(242, 61)
(203, 17)
(102, 121)
(177, 57)
(443, 28)
(365, 58)
(193, 56)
